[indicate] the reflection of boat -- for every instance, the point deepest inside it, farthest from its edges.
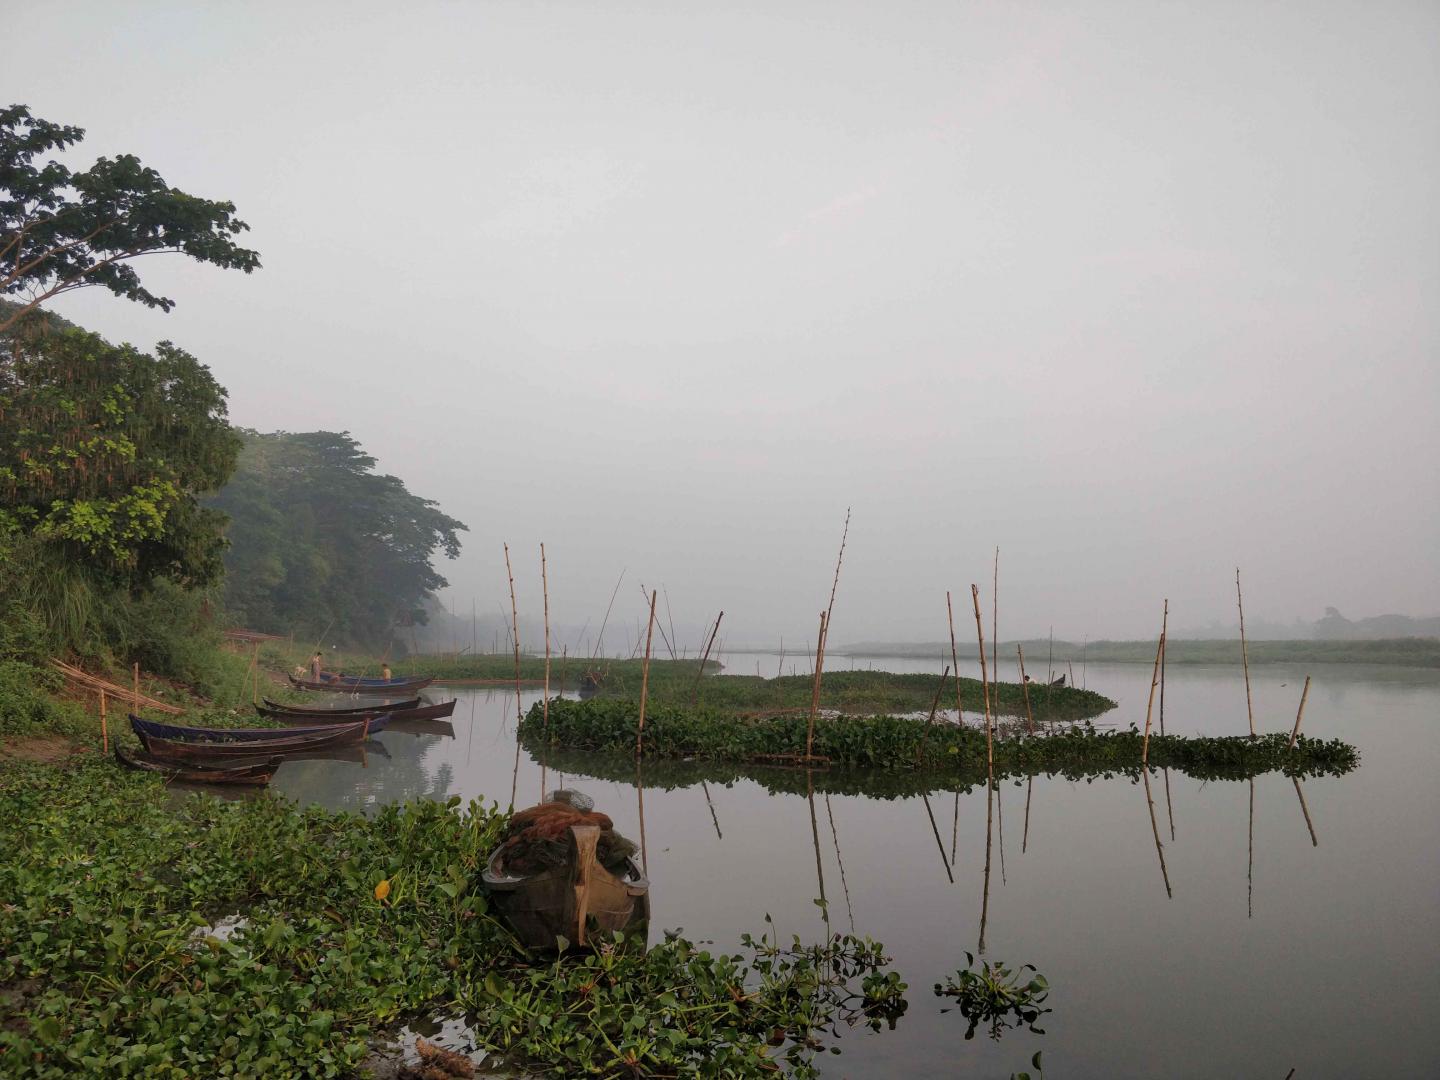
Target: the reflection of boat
(340, 708)
(207, 750)
(422, 727)
(255, 773)
(342, 685)
(290, 714)
(572, 899)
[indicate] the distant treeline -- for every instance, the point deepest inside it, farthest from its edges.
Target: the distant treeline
(1409, 652)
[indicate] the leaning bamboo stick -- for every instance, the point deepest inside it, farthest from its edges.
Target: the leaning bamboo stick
(1295, 734)
(815, 688)
(954, 658)
(984, 680)
(705, 658)
(1025, 688)
(1154, 681)
(1164, 627)
(645, 677)
(934, 707)
(1244, 653)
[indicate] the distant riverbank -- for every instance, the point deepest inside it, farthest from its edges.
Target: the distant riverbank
(1405, 652)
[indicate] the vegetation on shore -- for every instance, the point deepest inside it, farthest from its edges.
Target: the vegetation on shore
(1407, 652)
(902, 743)
(114, 966)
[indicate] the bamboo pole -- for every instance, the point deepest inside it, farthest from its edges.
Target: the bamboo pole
(545, 591)
(934, 707)
(135, 700)
(670, 618)
(1295, 733)
(954, 659)
(104, 733)
(705, 658)
(255, 674)
(645, 677)
(515, 641)
(1164, 627)
(1244, 653)
(995, 622)
(1154, 681)
(815, 688)
(1025, 688)
(985, 900)
(984, 680)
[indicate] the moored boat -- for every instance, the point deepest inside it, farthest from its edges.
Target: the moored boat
(159, 730)
(571, 901)
(342, 685)
(292, 715)
(340, 707)
(256, 773)
(213, 750)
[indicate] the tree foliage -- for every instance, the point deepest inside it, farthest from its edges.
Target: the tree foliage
(104, 450)
(322, 545)
(62, 230)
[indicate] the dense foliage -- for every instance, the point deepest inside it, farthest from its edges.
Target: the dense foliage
(111, 966)
(320, 544)
(889, 742)
(62, 230)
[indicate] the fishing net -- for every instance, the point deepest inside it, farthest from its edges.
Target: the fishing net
(537, 838)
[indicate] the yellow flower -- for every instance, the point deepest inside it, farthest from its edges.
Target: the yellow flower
(383, 889)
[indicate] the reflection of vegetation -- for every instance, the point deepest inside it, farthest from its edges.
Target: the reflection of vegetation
(672, 682)
(901, 744)
(990, 993)
(352, 924)
(679, 1010)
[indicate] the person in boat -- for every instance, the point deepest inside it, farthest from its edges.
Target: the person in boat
(315, 666)
(385, 672)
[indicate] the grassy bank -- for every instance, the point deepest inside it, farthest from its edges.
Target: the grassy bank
(887, 742)
(109, 966)
(1405, 652)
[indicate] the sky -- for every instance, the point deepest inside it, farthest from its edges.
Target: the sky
(1137, 292)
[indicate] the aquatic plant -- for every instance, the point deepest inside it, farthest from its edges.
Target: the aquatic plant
(901, 743)
(991, 993)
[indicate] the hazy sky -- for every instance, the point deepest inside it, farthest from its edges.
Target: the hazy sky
(1136, 291)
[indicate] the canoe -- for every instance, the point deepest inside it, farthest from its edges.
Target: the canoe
(204, 751)
(320, 716)
(572, 901)
(255, 773)
(340, 708)
(156, 729)
(355, 686)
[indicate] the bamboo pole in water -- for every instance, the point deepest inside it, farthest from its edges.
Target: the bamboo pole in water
(1025, 689)
(934, 707)
(1295, 733)
(254, 671)
(515, 640)
(1244, 653)
(954, 658)
(995, 623)
(984, 681)
(645, 677)
(815, 688)
(1164, 627)
(1154, 681)
(545, 700)
(705, 658)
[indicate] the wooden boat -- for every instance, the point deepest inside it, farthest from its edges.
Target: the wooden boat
(319, 716)
(255, 773)
(207, 751)
(340, 708)
(570, 901)
(355, 686)
(156, 729)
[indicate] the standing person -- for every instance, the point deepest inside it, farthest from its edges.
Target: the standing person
(315, 667)
(385, 672)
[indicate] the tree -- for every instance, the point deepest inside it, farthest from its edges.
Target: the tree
(321, 544)
(62, 230)
(104, 451)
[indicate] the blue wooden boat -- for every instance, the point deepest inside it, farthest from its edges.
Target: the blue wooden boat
(179, 732)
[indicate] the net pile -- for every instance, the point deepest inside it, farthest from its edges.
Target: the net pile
(537, 838)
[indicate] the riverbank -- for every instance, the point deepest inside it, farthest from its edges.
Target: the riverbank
(1403, 652)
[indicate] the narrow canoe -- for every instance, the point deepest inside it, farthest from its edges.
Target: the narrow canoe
(570, 901)
(319, 716)
(182, 750)
(340, 708)
(256, 773)
(156, 729)
(354, 686)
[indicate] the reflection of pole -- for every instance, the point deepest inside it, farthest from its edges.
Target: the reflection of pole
(1155, 829)
(1000, 823)
(985, 901)
(1306, 811)
(1025, 837)
(1169, 809)
(706, 788)
(938, 842)
(1250, 859)
(815, 839)
(955, 828)
(849, 912)
(640, 803)
(1244, 653)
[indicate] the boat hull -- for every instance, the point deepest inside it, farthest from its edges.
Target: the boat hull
(255, 774)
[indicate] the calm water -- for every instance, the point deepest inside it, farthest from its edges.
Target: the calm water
(1272, 953)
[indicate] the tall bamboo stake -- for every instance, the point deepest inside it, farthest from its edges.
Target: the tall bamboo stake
(515, 639)
(1244, 653)
(1295, 733)
(934, 707)
(705, 658)
(1154, 681)
(995, 626)
(815, 688)
(954, 658)
(984, 680)
(104, 733)
(645, 677)
(545, 706)
(1164, 627)
(1025, 688)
